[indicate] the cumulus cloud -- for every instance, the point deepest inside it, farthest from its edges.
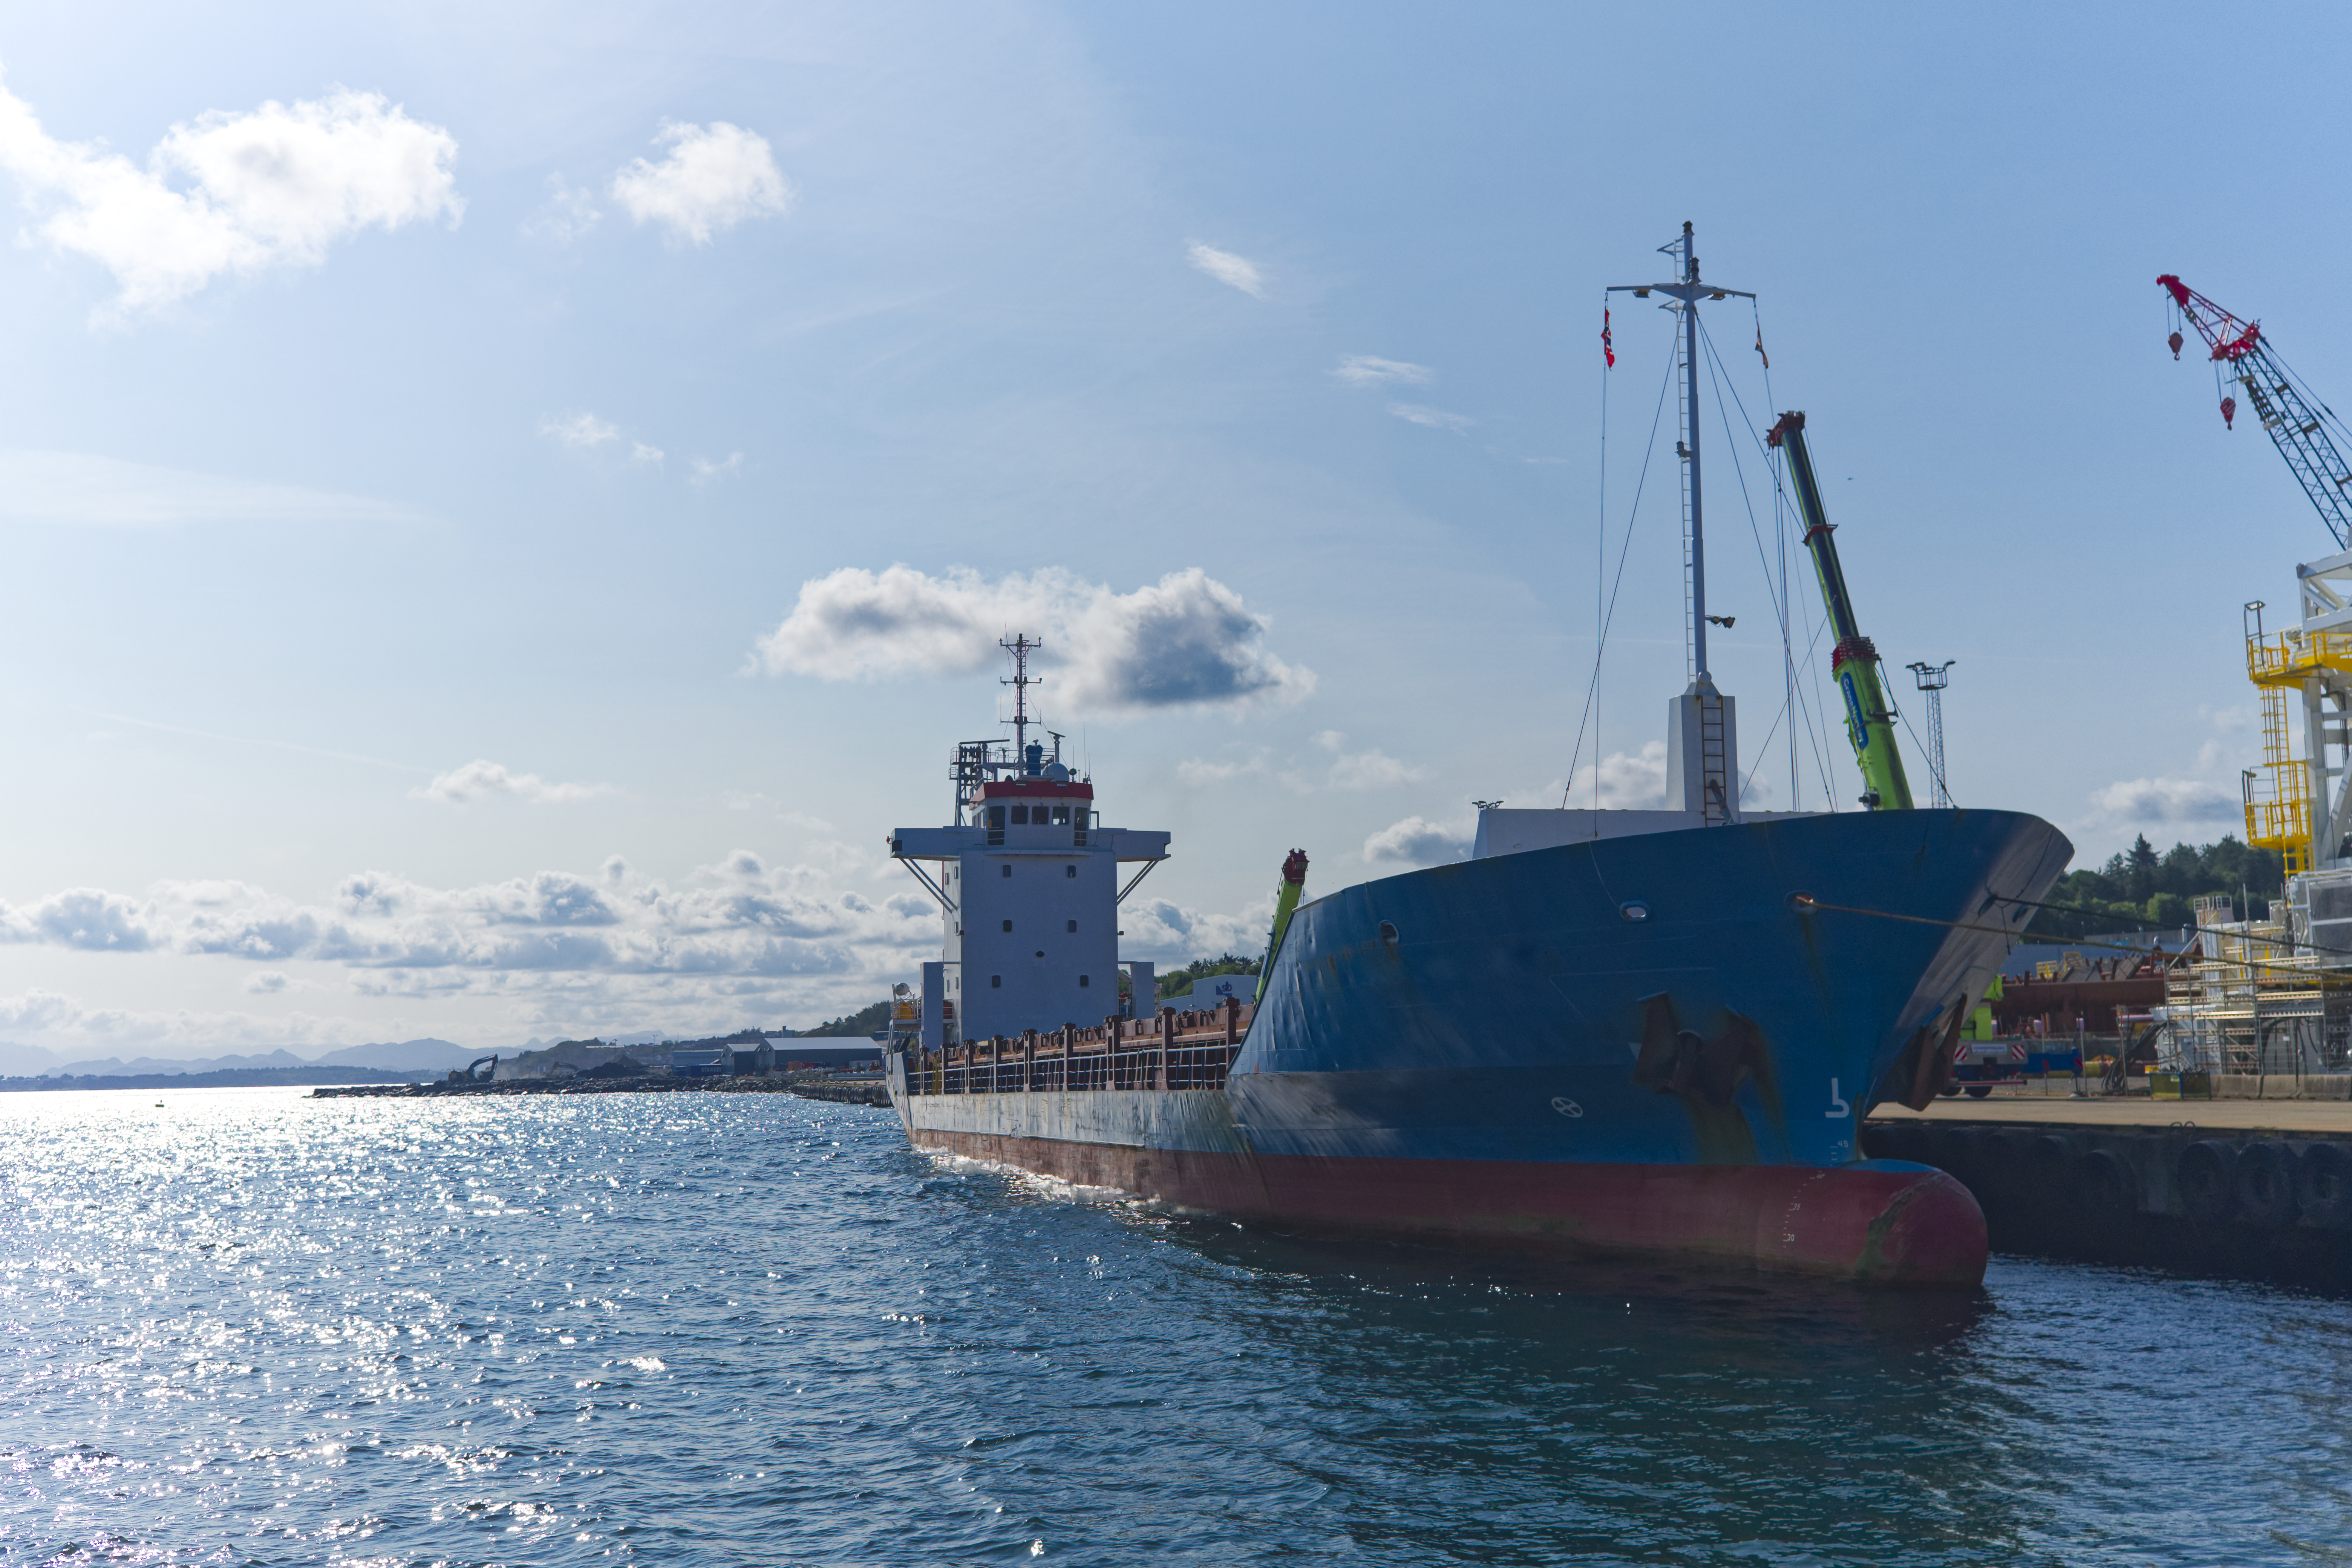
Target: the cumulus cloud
(1635, 782)
(1374, 769)
(707, 473)
(1163, 931)
(482, 777)
(1434, 418)
(1185, 641)
(230, 193)
(2168, 800)
(1417, 841)
(90, 919)
(716, 176)
(641, 453)
(267, 982)
(1370, 370)
(1227, 269)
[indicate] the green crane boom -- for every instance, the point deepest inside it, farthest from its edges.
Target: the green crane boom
(1285, 901)
(1854, 663)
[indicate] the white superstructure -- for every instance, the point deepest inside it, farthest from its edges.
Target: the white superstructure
(1029, 885)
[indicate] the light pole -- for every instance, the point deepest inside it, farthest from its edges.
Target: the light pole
(1933, 679)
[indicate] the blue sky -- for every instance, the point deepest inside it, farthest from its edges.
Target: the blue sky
(455, 457)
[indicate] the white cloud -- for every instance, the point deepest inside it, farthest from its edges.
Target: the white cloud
(1197, 772)
(580, 431)
(239, 192)
(73, 488)
(641, 453)
(707, 473)
(267, 982)
(1634, 782)
(1417, 841)
(2168, 800)
(1185, 641)
(1226, 268)
(90, 919)
(715, 177)
(480, 777)
(568, 215)
(1434, 418)
(1374, 769)
(1167, 933)
(1370, 370)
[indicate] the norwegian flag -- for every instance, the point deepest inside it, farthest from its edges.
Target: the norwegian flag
(1608, 344)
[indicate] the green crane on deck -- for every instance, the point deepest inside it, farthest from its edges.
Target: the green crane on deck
(1854, 663)
(1285, 901)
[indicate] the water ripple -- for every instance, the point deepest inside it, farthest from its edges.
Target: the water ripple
(251, 1327)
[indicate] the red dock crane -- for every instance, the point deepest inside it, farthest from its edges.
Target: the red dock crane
(2303, 428)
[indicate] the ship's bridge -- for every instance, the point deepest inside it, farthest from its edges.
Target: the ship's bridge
(1029, 887)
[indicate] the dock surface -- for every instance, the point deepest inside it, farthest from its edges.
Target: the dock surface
(2305, 1116)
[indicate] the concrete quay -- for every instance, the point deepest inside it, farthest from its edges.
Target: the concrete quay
(2249, 1189)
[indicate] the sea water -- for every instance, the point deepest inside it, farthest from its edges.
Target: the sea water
(249, 1327)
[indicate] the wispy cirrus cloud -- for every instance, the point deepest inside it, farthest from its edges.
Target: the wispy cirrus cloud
(715, 177)
(1370, 370)
(707, 473)
(482, 778)
(579, 430)
(1434, 418)
(230, 191)
(1185, 641)
(1233, 271)
(108, 492)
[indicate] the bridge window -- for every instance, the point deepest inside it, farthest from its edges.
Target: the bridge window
(1062, 816)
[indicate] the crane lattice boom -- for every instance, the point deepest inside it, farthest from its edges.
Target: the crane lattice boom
(2299, 423)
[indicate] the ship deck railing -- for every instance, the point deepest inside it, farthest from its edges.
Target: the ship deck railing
(1176, 1050)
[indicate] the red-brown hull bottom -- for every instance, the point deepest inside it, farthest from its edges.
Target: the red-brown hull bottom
(1904, 1228)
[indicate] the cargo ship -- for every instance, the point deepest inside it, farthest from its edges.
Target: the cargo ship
(1626, 1033)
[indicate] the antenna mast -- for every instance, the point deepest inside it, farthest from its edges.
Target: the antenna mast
(1019, 648)
(1688, 291)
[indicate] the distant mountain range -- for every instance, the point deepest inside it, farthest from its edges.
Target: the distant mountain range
(396, 1056)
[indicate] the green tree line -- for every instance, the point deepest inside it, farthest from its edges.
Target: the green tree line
(2140, 890)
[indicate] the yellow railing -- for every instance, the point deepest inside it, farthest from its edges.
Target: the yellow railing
(2278, 794)
(2292, 657)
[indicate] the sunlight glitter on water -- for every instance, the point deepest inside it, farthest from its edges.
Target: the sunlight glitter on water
(254, 1327)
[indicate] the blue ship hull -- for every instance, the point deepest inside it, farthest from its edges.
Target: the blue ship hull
(1658, 1046)
(1509, 1009)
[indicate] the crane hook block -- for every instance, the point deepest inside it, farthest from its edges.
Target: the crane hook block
(2228, 412)
(2174, 342)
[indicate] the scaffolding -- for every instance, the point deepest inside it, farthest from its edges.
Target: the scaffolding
(2257, 997)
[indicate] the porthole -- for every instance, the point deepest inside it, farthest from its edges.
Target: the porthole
(1388, 930)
